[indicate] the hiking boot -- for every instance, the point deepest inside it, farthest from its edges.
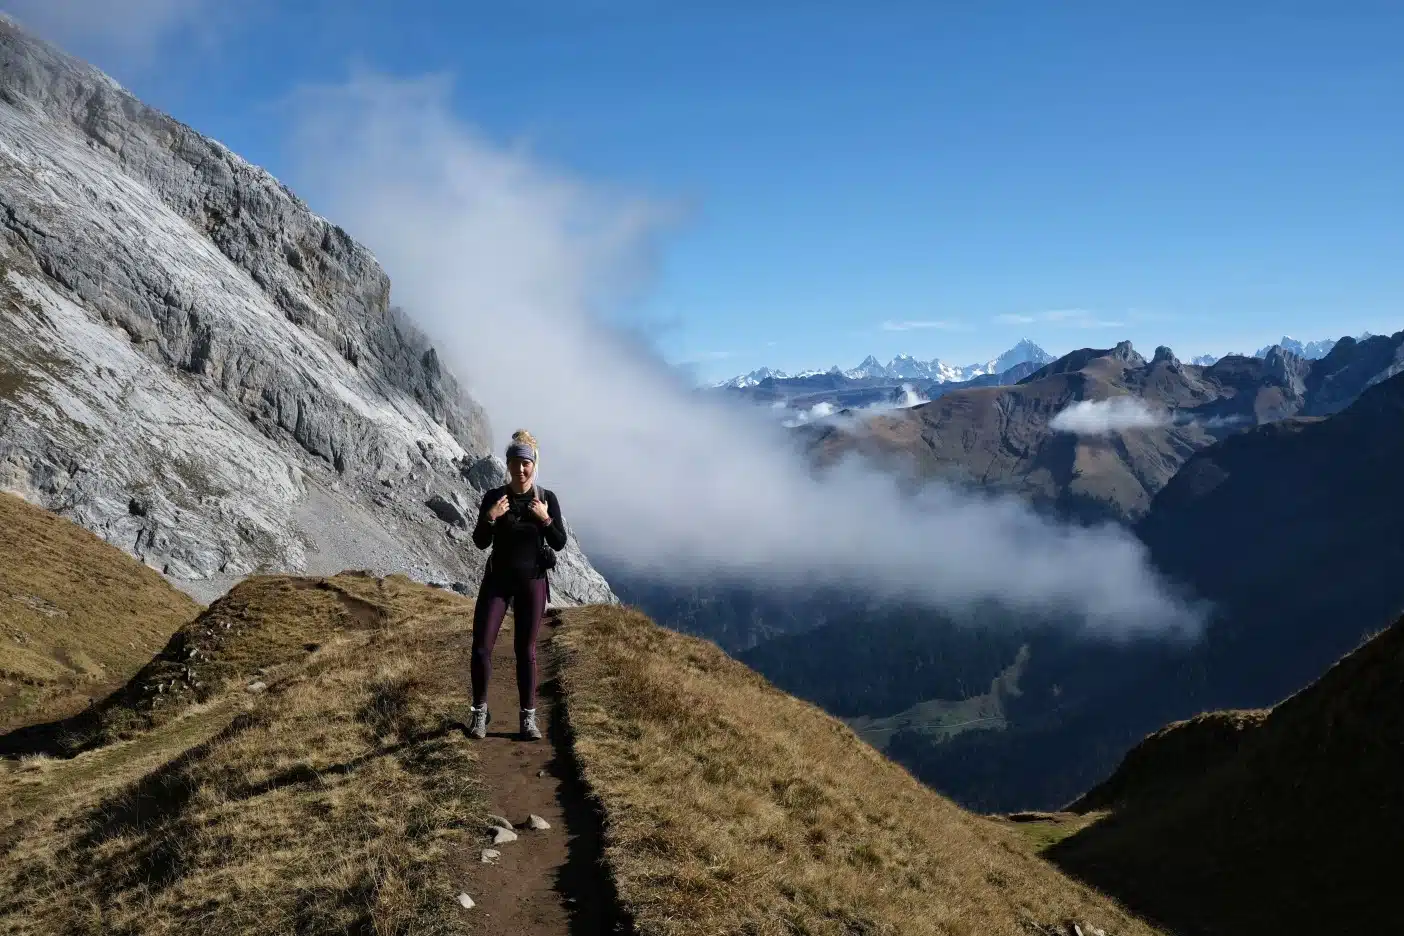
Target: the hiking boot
(477, 728)
(529, 730)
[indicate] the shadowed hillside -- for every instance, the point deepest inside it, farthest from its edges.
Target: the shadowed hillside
(77, 617)
(1290, 823)
(732, 807)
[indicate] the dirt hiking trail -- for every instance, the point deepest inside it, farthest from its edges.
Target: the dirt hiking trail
(548, 882)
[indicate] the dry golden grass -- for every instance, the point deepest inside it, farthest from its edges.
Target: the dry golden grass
(77, 616)
(731, 807)
(334, 801)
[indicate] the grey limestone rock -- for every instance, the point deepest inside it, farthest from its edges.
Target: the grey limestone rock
(446, 510)
(200, 369)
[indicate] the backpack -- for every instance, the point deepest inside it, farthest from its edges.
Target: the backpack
(546, 555)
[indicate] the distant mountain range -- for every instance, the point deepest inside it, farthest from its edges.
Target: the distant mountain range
(905, 367)
(1310, 350)
(1060, 438)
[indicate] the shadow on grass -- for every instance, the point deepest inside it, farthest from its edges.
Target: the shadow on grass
(584, 880)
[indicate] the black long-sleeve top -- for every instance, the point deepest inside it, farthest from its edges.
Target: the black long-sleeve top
(517, 535)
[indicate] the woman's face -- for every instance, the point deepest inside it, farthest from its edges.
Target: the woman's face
(521, 470)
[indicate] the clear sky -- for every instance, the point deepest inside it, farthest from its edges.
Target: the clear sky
(939, 179)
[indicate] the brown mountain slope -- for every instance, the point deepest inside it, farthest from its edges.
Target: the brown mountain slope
(77, 617)
(1000, 437)
(731, 807)
(1294, 827)
(304, 780)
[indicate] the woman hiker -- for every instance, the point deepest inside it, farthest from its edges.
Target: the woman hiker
(521, 527)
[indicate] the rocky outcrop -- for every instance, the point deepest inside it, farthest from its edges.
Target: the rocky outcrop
(201, 370)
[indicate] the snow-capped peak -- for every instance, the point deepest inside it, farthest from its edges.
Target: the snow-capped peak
(753, 378)
(907, 367)
(1311, 350)
(870, 367)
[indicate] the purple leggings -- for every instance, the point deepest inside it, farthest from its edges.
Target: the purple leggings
(528, 601)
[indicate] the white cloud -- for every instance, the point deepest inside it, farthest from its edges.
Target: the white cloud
(912, 326)
(130, 28)
(1104, 417)
(853, 416)
(504, 261)
(1067, 318)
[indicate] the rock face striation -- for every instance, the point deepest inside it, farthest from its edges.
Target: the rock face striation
(205, 373)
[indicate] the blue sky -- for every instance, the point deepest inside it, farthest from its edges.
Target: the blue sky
(936, 179)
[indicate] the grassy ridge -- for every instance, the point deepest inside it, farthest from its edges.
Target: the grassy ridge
(1290, 822)
(336, 799)
(77, 616)
(731, 807)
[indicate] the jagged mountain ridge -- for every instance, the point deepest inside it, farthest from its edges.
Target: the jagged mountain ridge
(1311, 350)
(820, 396)
(1003, 437)
(904, 367)
(201, 370)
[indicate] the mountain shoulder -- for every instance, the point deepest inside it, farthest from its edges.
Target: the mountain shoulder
(77, 616)
(1264, 822)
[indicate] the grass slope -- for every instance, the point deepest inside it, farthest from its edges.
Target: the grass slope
(335, 800)
(731, 807)
(77, 616)
(1292, 827)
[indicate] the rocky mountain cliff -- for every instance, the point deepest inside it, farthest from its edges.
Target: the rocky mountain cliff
(202, 371)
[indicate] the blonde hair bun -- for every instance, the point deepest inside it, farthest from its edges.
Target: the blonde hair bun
(523, 442)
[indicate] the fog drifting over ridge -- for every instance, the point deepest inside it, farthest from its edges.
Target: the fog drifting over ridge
(1106, 417)
(505, 261)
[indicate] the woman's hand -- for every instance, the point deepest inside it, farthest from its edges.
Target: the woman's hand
(497, 509)
(540, 510)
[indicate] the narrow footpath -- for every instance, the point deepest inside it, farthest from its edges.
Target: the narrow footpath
(547, 882)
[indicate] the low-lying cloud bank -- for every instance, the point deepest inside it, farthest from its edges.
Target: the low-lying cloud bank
(1119, 414)
(508, 263)
(1104, 417)
(826, 411)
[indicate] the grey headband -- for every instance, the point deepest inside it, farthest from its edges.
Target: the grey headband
(521, 450)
